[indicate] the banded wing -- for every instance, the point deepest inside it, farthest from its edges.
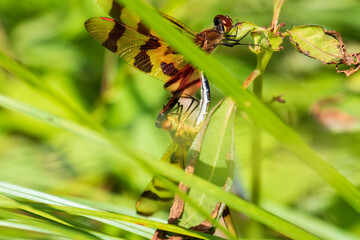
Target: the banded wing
(145, 52)
(138, 45)
(156, 195)
(129, 38)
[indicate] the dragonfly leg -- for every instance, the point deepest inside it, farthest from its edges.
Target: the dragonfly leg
(190, 109)
(179, 110)
(237, 29)
(233, 42)
(166, 110)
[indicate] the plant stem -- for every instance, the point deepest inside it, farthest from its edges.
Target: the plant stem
(263, 58)
(258, 82)
(250, 78)
(255, 164)
(277, 7)
(256, 138)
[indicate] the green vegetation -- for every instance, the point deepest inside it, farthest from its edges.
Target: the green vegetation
(79, 145)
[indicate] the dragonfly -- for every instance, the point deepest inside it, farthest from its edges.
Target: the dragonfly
(126, 35)
(157, 195)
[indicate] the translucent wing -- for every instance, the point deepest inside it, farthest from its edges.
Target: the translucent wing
(156, 195)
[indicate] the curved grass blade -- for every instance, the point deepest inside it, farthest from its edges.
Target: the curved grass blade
(24, 74)
(123, 221)
(40, 197)
(22, 226)
(58, 229)
(316, 225)
(156, 167)
(44, 233)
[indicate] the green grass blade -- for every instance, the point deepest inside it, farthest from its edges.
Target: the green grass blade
(263, 116)
(53, 120)
(45, 233)
(58, 229)
(22, 226)
(24, 74)
(83, 210)
(40, 197)
(137, 220)
(156, 167)
(316, 225)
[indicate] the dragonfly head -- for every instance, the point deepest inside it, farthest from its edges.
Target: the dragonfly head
(222, 23)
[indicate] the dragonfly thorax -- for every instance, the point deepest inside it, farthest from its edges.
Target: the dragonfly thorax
(209, 39)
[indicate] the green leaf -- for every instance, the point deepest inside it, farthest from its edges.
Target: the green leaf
(316, 42)
(215, 141)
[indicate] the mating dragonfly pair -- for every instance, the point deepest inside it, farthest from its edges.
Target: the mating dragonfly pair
(127, 36)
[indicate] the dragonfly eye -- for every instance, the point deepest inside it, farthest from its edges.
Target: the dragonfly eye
(223, 23)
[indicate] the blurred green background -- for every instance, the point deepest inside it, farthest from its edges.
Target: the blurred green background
(48, 38)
